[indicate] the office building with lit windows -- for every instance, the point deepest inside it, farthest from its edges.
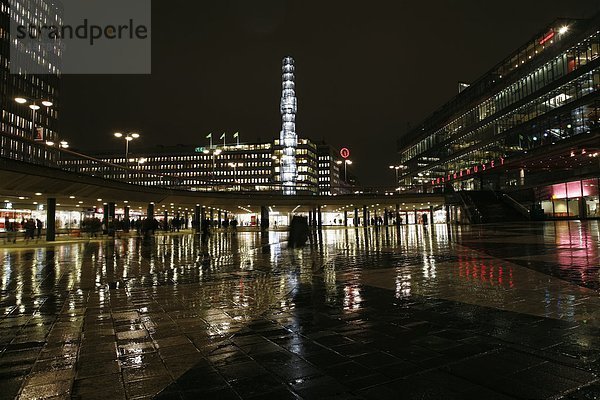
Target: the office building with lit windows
(529, 126)
(39, 91)
(243, 167)
(333, 177)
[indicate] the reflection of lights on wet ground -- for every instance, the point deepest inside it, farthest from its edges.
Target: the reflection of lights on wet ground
(428, 267)
(221, 328)
(469, 270)
(135, 361)
(403, 284)
(6, 270)
(352, 297)
(329, 278)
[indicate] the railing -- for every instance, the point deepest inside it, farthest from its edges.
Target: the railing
(39, 153)
(473, 214)
(470, 208)
(520, 208)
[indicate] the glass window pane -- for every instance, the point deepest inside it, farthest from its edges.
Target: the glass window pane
(573, 189)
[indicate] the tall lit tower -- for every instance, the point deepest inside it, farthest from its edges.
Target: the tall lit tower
(287, 138)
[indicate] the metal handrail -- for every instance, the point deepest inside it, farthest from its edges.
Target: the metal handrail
(471, 209)
(517, 206)
(39, 153)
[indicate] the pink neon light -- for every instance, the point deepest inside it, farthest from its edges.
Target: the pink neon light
(570, 189)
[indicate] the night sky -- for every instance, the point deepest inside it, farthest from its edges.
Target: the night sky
(364, 71)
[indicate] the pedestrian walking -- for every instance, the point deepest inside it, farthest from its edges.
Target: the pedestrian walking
(29, 229)
(299, 231)
(39, 225)
(11, 232)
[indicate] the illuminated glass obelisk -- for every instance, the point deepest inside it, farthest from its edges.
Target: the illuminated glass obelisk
(287, 138)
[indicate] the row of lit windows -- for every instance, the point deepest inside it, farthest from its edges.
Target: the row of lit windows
(572, 122)
(565, 63)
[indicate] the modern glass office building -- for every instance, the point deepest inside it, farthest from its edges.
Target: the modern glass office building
(530, 123)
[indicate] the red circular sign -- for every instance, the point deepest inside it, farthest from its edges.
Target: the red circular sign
(345, 153)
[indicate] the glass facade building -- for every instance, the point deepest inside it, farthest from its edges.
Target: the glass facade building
(530, 122)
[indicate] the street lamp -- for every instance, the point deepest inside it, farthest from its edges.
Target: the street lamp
(346, 163)
(128, 138)
(61, 145)
(235, 165)
(214, 153)
(34, 107)
(396, 167)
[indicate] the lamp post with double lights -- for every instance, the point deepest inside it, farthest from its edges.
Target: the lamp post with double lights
(346, 163)
(63, 144)
(128, 138)
(234, 166)
(214, 154)
(395, 167)
(34, 106)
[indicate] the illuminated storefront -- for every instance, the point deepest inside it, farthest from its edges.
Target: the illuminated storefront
(575, 199)
(65, 220)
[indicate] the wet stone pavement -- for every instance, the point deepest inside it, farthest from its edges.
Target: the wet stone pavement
(492, 312)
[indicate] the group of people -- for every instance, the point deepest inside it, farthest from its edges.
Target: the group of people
(149, 226)
(29, 226)
(175, 224)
